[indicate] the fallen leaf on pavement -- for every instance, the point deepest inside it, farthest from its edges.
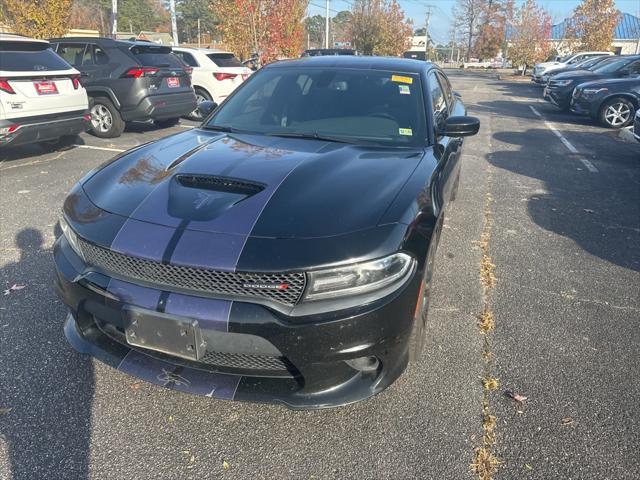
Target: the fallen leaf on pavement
(567, 421)
(588, 210)
(5, 410)
(528, 467)
(226, 465)
(136, 385)
(516, 396)
(14, 287)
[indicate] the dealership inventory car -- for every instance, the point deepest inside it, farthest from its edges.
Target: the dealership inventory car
(129, 81)
(282, 251)
(560, 87)
(41, 98)
(587, 64)
(215, 74)
(613, 102)
(544, 68)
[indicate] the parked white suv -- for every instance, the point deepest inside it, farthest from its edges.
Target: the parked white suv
(215, 73)
(41, 98)
(544, 68)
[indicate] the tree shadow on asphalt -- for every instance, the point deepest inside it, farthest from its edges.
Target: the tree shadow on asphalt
(602, 218)
(47, 386)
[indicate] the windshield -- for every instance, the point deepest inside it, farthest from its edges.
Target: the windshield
(590, 62)
(565, 58)
(30, 57)
(612, 66)
(360, 106)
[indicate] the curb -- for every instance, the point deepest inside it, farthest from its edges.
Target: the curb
(627, 135)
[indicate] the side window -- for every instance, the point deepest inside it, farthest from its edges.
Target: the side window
(73, 53)
(438, 101)
(634, 68)
(100, 57)
(188, 59)
(448, 92)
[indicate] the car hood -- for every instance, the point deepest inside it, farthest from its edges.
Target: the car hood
(579, 75)
(612, 82)
(253, 185)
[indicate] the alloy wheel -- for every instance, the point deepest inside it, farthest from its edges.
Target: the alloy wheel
(101, 118)
(617, 114)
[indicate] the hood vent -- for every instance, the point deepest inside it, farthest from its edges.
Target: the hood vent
(220, 184)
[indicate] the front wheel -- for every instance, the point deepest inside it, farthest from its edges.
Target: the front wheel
(617, 113)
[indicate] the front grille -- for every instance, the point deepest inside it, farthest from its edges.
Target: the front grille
(284, 288)
(245, 362)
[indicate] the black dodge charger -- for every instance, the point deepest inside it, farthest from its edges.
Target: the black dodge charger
(282, 251)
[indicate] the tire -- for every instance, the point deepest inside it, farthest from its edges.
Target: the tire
(417, 337)
(617, 113)
(167, 122)
(201, 96)
(106, 121)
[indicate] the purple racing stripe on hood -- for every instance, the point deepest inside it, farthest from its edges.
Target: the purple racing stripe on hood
(212, 314)
(182, 379)
(134, 294)
(215, 251)
(141, 239)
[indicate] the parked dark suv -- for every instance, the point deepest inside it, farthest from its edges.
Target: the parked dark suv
(129, 81)
(613, 102)
(560, 87)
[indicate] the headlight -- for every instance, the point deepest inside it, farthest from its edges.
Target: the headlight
(590, 92)
(359, 278)
(562, 83)
(71, 237)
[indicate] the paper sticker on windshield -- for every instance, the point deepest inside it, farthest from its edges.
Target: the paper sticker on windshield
(404, 89)
(401, 79)
(405, 131)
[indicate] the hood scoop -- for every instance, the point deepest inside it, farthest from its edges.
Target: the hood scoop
(218, 183)
(200, 198)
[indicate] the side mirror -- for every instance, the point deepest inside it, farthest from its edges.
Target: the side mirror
(206, 107)
(461, 126)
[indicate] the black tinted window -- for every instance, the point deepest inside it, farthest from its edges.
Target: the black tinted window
(371, 106)
(29, 57)
(224, 59)
(446, 88)
(187, 58)
(156, 56)
(438, 101)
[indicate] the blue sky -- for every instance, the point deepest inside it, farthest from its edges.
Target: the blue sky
(441, 16)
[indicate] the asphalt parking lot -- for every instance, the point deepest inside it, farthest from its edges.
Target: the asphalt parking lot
(551, 201)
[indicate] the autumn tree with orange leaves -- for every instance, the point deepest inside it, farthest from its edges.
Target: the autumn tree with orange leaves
(270, 28)
(37, 18)
(593, 23)
(531, 29)
(379, 27)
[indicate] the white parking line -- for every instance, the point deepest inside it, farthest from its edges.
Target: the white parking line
(590, 166)
(106, 149)
(186, 126)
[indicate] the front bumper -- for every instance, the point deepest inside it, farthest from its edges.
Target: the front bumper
(162, 106)
(561, 98)
(317, 352)
(581, 106)
(538, 78)
(43, 128)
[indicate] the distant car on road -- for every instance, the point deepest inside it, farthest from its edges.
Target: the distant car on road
(612, 102)
(587, 64)
(283, 251)
(215, 75)
(560, 87)
(41, 97)
(129, 81)
(547, 67)
(636, 125)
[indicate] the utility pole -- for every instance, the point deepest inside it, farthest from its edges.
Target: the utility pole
(326, 25)
(114, 18)
(174, 25)
(198, 32)
(426, 32)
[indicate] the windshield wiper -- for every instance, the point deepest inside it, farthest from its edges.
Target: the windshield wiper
(314, 136)
(222, 128)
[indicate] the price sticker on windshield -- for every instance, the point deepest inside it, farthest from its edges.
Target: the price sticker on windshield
(405, 131)
(401, 79)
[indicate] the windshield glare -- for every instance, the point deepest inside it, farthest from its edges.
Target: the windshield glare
(377, 107)
(612, 66)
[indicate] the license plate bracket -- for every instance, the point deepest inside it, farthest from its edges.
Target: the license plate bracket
(163, 333)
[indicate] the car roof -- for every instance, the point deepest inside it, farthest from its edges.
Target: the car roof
(13, 37)
(202, 50)
(365, 63)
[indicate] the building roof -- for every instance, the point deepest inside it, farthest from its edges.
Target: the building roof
(628, 28)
